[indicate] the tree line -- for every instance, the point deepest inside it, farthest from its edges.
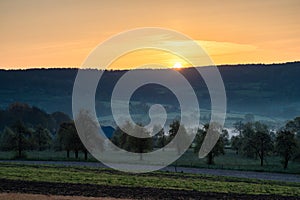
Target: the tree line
(254, 139)
(20, 137)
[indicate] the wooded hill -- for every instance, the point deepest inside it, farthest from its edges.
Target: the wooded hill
(270, 90)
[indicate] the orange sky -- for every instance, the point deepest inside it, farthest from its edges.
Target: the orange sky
(52, 33)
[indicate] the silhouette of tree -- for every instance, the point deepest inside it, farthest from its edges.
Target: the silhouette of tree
(120, 138)
(182, 137)
(286, 146)
(130, 143)
(236, 143)
(8, 140)
(138, 144)
(246, 137)
(69, 139)
(22, 138)
(63, 137)
(257, 139)
(41, 138)
(89, 129)
(160, 137)
(219, 146)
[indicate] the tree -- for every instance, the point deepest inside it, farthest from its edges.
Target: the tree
(8, 140)
(116, 138)
(120, 138)
(30, 116)
(89, 129)
(63, 137)
(246, 137)
(182, 138)
(16, 138)
(76, 144)
(236, 143)
(162, 140)
(286, 146)
(294, 127)
(219, 146)
(23, 136)
(238, 127)
(41, 138)
(225, 137)
(160, 137)
(138, 144)
(69, 139)
(130, 143)
(257, 139)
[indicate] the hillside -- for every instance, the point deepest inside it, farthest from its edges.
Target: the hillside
(269, 90)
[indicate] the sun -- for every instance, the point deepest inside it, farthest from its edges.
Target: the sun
(177, 65)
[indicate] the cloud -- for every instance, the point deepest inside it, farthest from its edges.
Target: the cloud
(215, 48)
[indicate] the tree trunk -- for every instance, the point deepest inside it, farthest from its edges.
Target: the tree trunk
(285, 164)
(210, 159)
(76, 154)
(261, 159)
(85, 155)
(40, 144)
(19, 145)
(68, 153)
(286, 161)
(262, 154)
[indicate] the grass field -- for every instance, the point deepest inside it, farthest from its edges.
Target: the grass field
(237, 162)
(228, 161)
(165, 180)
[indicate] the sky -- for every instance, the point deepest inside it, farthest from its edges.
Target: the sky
(62, 33)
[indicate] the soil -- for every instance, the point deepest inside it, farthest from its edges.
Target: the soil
(91, 190)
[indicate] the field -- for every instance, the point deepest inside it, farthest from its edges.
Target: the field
(83, 181)
(228, 161)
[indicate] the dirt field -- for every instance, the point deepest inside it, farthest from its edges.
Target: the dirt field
(110, 192)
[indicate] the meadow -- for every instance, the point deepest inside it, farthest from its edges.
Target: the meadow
(230, 161)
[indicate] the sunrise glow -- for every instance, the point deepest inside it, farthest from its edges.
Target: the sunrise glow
(57, 33)
(177, 65)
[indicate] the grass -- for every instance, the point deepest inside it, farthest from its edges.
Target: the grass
(237, 162)
(166, 180)
(48, 155)
(228, 161)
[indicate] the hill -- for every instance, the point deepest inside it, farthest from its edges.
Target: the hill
(31, 116)
(269, 90)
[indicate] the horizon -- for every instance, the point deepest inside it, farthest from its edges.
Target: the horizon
(127, 69)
